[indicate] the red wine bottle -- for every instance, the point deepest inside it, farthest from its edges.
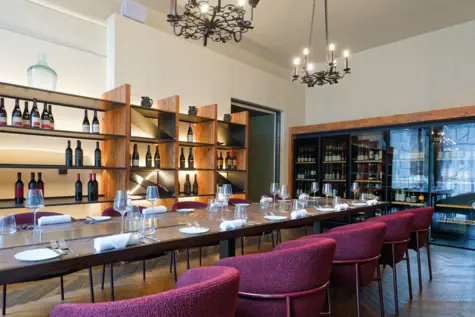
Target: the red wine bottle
(187, 188)
(3, 113)
(148, 157)
(78, 189)
(45, 117)
(97, 156)
(51, 118)
(69, 155)
(135, 157)
(96, 128)
(40, 184)
(26, 116)
(195, 187)
(95, 187)
(189, 135)
(19, 190)
(78, 154)
(191, 159)
(157, 157)
(86, 127)
(90, 188)
(32, 184)
(17, 120)
(35, 121)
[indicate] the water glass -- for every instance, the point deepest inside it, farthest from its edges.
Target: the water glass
(34, 201)
(336, 201)
(152, 194)
(265, 204)
(241, 212)
(212, 203)
(120, 205)
(364, 196)
(220, 198)
(274, 189)
(297, 204)
(285, 205)
(327, 190)
(227, 192)
(7, 225)
(148, 224)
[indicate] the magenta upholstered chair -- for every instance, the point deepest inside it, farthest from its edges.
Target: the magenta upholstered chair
(420, 236)
(287, 282)
(202, 292)
(358, 248)
(111, 212)
(234, 201)
(188, 204)
(398, 233)
(27, 218)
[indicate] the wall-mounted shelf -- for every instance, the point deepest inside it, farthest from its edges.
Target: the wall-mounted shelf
(59, 167)
(147, 169)
(403, 203)
(138, 139)
(193, 119)
(368, 161)
(59, 133)
(230, 147)
(149, 112)
(194, 144)
(334, 162)
(56, 201)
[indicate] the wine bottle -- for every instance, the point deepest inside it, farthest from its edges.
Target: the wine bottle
(19, 190)
(78, 189)
(3, 113)
(26, 116)
(195, 187)
(187, 185)
(69, 155)
(86, 127)
(148, 157)
(182, 159)
(189, 136)
(35, 121)
(229, 161)
(234, 162)
(17, 120)
(51, 118)
(40, 184)
(95, 187)
(97, 156)
(135, 157)
(90, 188)
(32, 184)
(191, 160)
(45, 117)
(78, 154)
(96, 128)
(221, 161)
(156, 158)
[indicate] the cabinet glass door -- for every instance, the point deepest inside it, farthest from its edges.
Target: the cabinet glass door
(334, 164)
(305, 165)
(408, 165)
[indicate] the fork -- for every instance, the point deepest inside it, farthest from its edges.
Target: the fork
(55, 247)
(64, 246)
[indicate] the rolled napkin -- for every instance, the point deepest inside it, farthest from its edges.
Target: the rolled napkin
(52, 220)
(341, 207)
(232, 224)
(154, 210)
(117, 241)
(266, 199)
(372, 202)
(297, 214)
(303, 196)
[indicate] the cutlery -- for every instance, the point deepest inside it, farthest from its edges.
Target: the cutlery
(253, 223)
(152, 239)
(55, 247)
(64, 247)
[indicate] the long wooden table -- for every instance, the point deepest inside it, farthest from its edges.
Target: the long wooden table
(80, 238)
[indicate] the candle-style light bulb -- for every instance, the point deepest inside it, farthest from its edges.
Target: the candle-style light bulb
(306, 51)
(296, 65)
(241, 3)
(297, 61)
(331, 47)
(346, 54)
(204, 7)
(310, 67)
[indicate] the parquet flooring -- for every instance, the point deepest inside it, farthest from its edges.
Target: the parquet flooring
(450, 294)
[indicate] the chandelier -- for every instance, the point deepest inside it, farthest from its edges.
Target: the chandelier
(200, 20)
(330, 75)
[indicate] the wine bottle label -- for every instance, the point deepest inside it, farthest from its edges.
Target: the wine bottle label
(18, 191)
(135, 162)
(26, 123)
(17, 122)
(86, 128)
(35, 122)
(3, 120)
(95, 128)
(51, 125)
(189, 138)
(45, 124)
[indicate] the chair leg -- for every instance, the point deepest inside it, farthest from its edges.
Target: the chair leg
(103, 276)
(242, 245)
(172, 254)
(201, 255)
(280, 237)
(112, 281)
(187, 258)
(143, 269)
(61, 283)
(419, 262)
(396, 300)
(409, 279)
(380, 289)
(4, 300)
(429, 261)
(329, 305)
(91, 285)
(174, 267)
(357, 281)
(259, 242)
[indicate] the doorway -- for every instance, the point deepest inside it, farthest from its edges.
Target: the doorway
(263, 147)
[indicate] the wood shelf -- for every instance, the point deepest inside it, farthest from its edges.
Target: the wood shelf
(232, 123)
(195, 169)
(149, 112)
(368, 161)
(193, 119)
(334, 162)
(146, 169)
(367, 181)
(231, 171)
(56, 201)
(59, 133)
(61, 167)
(453, 206)
(193, 144)
(407, 203)
(138, 139)
(305, 163)
(305, 180)
(230, 147)
(57, 98)
(182, 195)
(334, 180)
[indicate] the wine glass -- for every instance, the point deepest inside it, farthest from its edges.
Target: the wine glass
(274, 189)
(327, 190)
(355, 188)
(34, 201)
(315, 189)
(152, 195)
(227, 192)
(120, 204)
(284, 192)
(220, 199)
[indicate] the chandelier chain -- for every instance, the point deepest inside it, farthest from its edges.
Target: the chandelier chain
(326, 23)
(311, 26)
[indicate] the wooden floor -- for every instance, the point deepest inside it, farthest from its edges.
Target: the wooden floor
(450, 294)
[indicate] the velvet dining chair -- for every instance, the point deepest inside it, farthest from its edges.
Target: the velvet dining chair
(290, 281)
(395, 247)
(202, 292)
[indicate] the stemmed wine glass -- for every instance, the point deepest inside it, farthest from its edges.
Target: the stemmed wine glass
(355, 188)
(120, 204)
(220, 198)
(327, 190)
(34, 201)
(284, 192)
(274, 189)
(315, 189)
(227, 192)
(152, 195)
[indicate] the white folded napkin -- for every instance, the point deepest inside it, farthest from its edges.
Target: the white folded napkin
(298, 214)
(372, 202)
(117, 241)
(303, 196)
(52, 220)
(341, 207)
(154, 210)
(266, 199)
(232, 224)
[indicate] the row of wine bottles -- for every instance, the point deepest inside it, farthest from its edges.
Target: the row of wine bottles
(306, 154)
(33, 184)
(148, 157)
(92, 188)
(78, 155)
(87, 127)
(27, 119)
(229, 164)
(188, 189)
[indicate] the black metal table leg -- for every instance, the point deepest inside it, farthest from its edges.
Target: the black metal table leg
(91, 284)
(316, 227)
(112, 281)
(227, 248)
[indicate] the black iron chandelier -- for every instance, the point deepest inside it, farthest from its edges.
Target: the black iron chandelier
(329, 75)
(200, 20)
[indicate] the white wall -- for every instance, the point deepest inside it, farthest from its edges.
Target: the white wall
(159, 65)
(431, 71)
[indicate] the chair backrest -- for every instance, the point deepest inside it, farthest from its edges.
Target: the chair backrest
(111, 212)
(27, 217)
(288, 270)
(234, 201)
(398, 226)
(422, 217)
(202, 292)
(188, 204)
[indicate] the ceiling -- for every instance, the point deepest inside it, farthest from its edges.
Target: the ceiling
(282, 26)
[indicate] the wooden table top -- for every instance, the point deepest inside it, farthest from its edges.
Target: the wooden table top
(80, 238)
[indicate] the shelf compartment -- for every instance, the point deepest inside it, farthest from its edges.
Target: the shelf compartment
(367, 181)
(334, 162)
(407, 203)
(453, 206)
(138, 139)
(61, 167)
(57, 98)
(150, 112)
(334, 180)
(183, 117)
(146, 169)
(305, 180)
(232, 123)
(305, 163)
(194, 144)
(231, 171)
(368, 161)
(56, 201)
(230, 147)
(59, 133)
(195, 169)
